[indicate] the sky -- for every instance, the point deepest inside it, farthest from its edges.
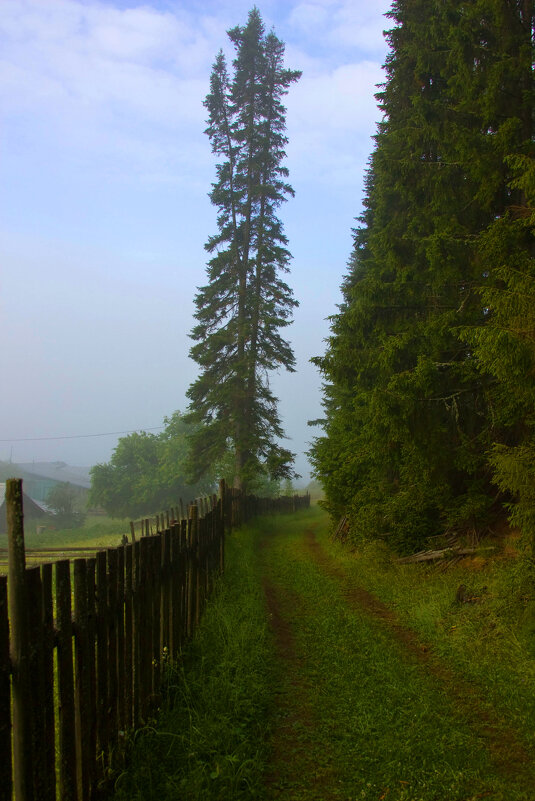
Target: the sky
(104, 178)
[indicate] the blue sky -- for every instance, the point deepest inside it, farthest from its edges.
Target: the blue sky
(105, 170)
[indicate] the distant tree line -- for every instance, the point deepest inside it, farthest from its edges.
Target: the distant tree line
(430, 367)
(147, 473)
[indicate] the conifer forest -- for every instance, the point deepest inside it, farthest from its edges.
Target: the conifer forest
(429, 371)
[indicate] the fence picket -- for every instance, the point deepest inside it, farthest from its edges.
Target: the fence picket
(121, 671)
(134, 607)
(19, 644)
(37, 683)
(82, 691)
(102, 726)
(49, 774)
(6, 765)
(66, 724)
(111, 558)
(128, 639)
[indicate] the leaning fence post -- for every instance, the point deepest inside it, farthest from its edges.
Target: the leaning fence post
(20, 643)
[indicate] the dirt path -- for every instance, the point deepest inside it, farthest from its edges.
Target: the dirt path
(302, 770)
(508, 753)
(293, 752)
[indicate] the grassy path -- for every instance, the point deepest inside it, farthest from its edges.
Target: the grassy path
(367, 709)
(311, 679)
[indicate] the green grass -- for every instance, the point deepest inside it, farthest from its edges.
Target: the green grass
(490, 641)
(388, 727)
(210, 741)
(97, 531)
(379, 725)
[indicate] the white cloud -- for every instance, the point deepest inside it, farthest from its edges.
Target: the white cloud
(331, 117)
(110, 81)
(353, 24)
(125, 86)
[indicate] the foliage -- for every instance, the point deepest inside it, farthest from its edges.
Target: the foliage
(410, 415)
(62, 499)
(210, 742)
(245, 302)
(407, 719)
(505, 347)
(147, 472)
(375, 699)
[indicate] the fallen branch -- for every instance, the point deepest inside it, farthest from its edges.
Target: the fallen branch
(341, 530)
(443, 553)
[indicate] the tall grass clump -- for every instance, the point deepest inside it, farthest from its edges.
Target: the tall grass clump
(210, 740)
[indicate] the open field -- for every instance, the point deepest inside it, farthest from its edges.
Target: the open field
(97, 532)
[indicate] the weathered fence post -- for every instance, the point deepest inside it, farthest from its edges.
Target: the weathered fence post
(20, 643)
(5, 694)
(195, 538)
(66, 721)
(221, 524)
(128, 636)
(82, 689)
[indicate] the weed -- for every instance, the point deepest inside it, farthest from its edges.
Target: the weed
(210, 742)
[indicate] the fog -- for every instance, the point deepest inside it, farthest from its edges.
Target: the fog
(104, 212)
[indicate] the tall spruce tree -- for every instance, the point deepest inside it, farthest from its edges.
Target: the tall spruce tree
(504, 347)
(408, 421)
(245, 302)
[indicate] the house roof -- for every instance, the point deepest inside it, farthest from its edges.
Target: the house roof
(33, 508)
(58, 471)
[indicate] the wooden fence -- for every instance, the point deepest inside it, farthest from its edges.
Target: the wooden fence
(84, 642)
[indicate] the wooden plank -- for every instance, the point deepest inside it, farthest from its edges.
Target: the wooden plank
(430, 556)
(91, 710)
(37, 684)
(48, 678)
(145, 637)
(191, 581)
(136, 633)
(111, 556)
(6, 762)
(184, 592)
(156, 565)
(19, 643)
(166, 594)
(102, 660)
(222, 524)
(202, 556)
(66, 717)
(128, 644)
(175, 599)
(82, 692)
(196, 559)
(121, 674)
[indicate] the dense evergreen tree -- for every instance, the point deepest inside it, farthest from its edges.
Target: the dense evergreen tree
(245, 303)
(408, 415)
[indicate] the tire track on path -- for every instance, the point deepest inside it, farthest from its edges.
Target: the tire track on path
(297, 770)
(508, 754)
